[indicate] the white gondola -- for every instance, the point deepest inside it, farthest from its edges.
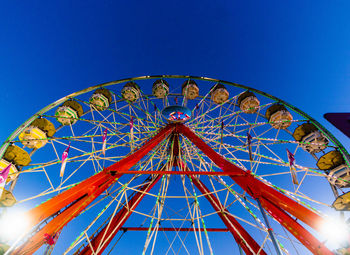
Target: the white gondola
(314, 142)
(340, 176)
(310, 138)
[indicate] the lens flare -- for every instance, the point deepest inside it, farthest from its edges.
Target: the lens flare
(12, 225)
(336, 232)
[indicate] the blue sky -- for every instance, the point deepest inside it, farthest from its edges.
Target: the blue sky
(298, 50)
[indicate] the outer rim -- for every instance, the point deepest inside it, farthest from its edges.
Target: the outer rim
(149, 77)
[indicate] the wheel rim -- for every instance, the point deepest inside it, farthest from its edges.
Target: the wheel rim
(223, 127)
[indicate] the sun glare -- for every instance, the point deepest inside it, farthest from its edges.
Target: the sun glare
(336, 232)
(13, 225)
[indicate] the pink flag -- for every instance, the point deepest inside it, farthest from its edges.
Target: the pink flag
(249, 143)
(155, 112)
(49, 239)
(131, 124)
(131, 132)
(104, 141)
(291, 158)
(64, 160)
(4, 174)
(196, 110)
(222, 131)
(293, 172)
(249, 139)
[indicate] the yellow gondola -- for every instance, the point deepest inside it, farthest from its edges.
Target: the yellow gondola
(219, 94)
(330, 160)
(342, 203)
(248, 102)
(101, 99)
(17, 156)
(190, 89)
(35, 136)
(131, 91)
(160, 89)
(69, 112)
(278, 116)
(7, 199)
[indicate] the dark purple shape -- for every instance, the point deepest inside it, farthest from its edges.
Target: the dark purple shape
(340, 120)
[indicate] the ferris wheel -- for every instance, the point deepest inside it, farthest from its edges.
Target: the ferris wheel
(173, 164)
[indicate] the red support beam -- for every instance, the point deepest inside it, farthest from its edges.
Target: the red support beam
(174, 172)
(57, 223)
(77, 198)
(100, 241)
(242, 237)
(52, 206)
(304, 236)
(131, 160)
(258, 189)
(67, 197)
(175, 229)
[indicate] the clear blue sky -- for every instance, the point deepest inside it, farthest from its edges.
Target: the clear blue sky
(296, 50)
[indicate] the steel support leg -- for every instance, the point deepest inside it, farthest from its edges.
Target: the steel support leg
(272, 235)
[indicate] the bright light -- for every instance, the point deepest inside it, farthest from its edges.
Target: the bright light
(13, 225)
(336, 232)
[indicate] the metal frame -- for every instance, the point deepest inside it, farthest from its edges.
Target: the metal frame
(148, 77)
(80, 196)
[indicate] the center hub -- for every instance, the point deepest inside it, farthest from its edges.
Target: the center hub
(176, 113)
